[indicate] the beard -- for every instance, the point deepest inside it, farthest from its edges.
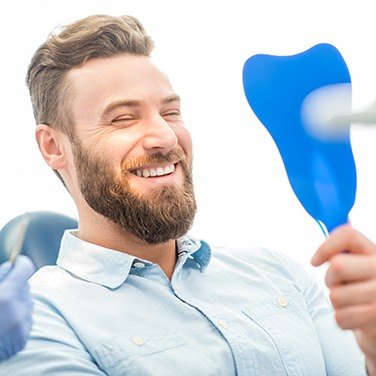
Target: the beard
(163, 214)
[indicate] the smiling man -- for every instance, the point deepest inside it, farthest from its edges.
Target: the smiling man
(132, 293)
(132, 136)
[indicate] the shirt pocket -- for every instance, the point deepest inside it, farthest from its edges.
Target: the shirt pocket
(148, 354)
(286, 321)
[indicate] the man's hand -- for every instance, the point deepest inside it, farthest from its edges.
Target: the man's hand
(351, 279)
(15, 306)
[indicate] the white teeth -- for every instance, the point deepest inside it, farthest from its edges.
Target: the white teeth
(169, 169)
(166, 170)
(145, 173)
(160, 171)
(155, 172)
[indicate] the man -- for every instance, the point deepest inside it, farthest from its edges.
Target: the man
(132, 294)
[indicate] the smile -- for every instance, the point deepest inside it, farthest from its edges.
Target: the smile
(152, 172)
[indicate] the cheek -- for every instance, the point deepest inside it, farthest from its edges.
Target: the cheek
(118, 147)
(184, 138)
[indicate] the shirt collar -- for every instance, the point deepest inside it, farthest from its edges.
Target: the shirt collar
(111, 268)
(196, 249)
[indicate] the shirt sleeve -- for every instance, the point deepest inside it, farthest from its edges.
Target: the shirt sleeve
(53, 349)
(341, 352)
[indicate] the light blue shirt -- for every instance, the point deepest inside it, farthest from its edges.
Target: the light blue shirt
(225, 312)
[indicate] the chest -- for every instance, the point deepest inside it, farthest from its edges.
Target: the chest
(243, 326)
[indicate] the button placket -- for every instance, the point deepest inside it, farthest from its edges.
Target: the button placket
(138, 341)
(223, 324)
(282, 302)
(177, 288)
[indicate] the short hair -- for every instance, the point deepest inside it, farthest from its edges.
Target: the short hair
(89, 38)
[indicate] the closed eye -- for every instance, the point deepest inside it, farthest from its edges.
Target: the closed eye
(172, 114)
(123, 120)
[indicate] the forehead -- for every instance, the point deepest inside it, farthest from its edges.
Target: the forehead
(99, 82)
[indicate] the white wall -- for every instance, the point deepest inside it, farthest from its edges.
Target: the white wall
(243, 193)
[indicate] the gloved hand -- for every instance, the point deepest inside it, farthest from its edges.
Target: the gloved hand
(15, 306)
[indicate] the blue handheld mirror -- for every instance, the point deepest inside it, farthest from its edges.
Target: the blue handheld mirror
(321, 170)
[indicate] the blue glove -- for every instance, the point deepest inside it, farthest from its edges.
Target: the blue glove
(15, 306)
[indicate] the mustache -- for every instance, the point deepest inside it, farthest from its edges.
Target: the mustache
(172, 156)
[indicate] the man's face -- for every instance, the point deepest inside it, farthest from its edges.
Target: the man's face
(132, 152)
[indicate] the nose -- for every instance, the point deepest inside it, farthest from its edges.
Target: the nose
(159, 137)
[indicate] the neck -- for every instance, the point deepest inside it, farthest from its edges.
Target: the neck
(98, 230)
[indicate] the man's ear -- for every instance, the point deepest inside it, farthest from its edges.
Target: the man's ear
(50, 142)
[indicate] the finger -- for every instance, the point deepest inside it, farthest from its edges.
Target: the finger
(343, 238)
(349, 268)
(356, 316)
(4, 269)
(22, 270)
(353, 293)
(366, 338)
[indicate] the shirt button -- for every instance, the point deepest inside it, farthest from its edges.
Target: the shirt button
(139, 265)
(138, 341)
(282, 301)
(223, 324)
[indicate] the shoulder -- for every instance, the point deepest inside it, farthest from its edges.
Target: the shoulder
(48, 276)
(256, 256)
(53, 286)
(272, 264)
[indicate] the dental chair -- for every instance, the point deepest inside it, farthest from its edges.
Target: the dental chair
(42, 237)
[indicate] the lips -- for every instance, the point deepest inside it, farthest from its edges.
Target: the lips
(154, 171)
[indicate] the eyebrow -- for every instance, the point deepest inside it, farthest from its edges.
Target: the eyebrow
(133, 103)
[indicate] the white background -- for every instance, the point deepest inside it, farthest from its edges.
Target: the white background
(243, 193)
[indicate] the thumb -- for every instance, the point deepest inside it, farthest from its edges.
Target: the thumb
(21, 271)
(4, 269)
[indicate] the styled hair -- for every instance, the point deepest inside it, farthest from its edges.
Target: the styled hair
(92, 37)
